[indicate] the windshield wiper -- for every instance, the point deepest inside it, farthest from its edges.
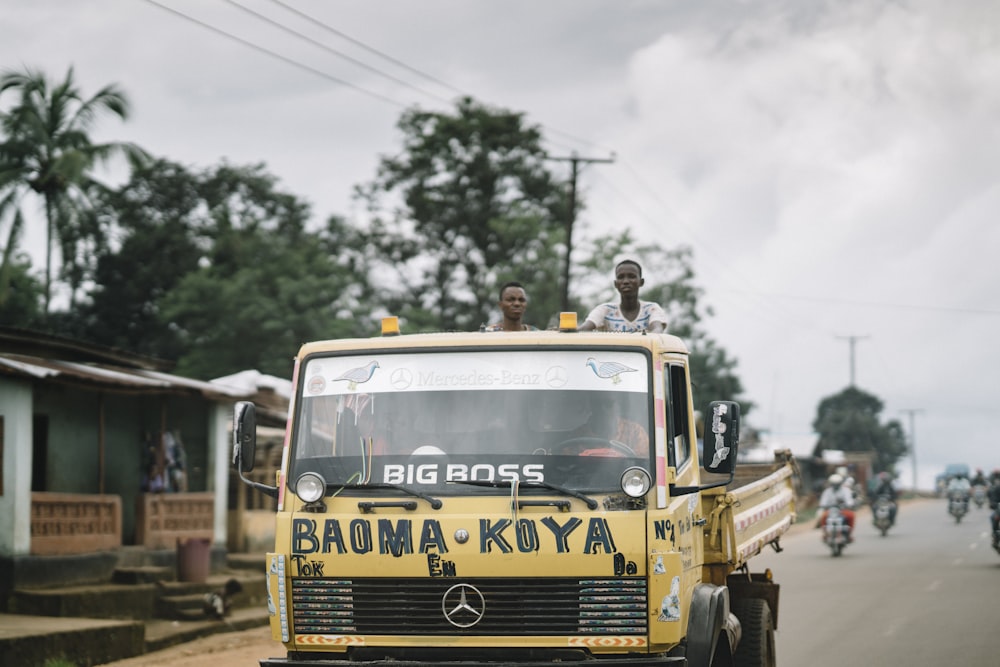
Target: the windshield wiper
(506, 484)
(435, 503)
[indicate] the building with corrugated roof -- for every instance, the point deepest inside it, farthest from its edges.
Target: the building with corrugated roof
(103, 452)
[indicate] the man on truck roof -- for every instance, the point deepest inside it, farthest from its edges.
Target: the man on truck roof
(631, 313)
(513, 302)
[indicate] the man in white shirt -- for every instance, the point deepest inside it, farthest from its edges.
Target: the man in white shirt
(836, 494)
(630, 314)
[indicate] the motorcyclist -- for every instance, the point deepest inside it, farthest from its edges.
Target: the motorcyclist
(836, 494)
(980, 487)
(994, 499)
(958, 486)
(885, 487)
(958, 489)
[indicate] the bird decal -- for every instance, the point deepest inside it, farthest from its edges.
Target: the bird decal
(609, 369)
(359, 375)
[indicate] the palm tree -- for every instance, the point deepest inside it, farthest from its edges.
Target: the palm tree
(46, 151)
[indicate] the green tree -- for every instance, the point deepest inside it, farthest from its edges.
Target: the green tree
(849, 421)
(46, 150)
(466, 205)
(254, 307)
(23, 305)
(218, 272)
(160, 218)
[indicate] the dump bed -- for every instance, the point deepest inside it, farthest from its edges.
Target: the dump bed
(743, 519)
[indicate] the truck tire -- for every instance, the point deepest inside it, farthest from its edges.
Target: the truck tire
(756, 647)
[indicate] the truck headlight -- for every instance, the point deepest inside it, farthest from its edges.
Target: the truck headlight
(636, 482)
(310, 487)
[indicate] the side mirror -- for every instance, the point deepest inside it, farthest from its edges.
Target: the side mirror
(244, 436)
(722, 437)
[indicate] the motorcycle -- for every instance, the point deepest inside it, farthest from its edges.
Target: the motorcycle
(979, 495)
(958, 506)
(882, 514)
(836, 531)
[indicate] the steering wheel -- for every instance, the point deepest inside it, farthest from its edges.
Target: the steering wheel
(579, 444)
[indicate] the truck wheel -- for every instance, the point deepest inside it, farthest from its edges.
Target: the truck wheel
(756, 647)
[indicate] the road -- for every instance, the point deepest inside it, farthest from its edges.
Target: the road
(926, 594)
(232, 649)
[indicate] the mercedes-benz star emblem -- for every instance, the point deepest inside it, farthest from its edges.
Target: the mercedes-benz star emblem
(401, 378)
(463, 605)
(556, 376)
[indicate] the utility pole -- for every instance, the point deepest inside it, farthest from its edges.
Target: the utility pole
(913, 443)
(852, 340)
(574, 161)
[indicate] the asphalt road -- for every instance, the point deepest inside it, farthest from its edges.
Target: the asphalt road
(926, 594)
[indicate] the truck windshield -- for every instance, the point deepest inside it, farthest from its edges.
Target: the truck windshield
(575, 419)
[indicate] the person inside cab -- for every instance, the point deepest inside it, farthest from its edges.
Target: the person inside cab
(607, 422)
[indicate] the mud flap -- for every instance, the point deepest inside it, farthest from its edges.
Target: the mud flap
(708, 617)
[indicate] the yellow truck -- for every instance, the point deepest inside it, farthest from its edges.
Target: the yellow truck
(514, 499)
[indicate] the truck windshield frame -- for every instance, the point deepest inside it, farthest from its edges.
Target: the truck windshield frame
(428, 417)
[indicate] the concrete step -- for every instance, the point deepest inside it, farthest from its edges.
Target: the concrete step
(188, 606)
(113, 601)
(39, 641)
(34, 641)
(161, 634)
(143, 574)
(133, 601)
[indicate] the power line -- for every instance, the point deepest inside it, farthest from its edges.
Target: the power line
(721, 263)
(274, 54)
(332, 50)
(364, 46)
(358, 43)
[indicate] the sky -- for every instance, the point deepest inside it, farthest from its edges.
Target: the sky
(835, 166)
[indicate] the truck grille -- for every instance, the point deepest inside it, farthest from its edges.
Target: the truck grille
(523, 607)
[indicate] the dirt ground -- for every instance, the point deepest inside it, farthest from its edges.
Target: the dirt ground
(230, 649)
